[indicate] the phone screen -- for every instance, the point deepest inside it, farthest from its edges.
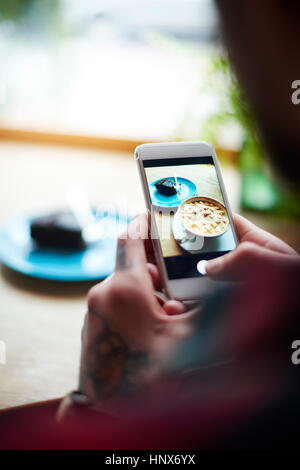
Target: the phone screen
(190, 214)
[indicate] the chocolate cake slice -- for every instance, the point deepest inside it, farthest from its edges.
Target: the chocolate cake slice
(58, 230)
(166, 187)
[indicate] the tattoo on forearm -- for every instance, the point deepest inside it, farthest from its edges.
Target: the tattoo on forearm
(122, 261)
(108, 367)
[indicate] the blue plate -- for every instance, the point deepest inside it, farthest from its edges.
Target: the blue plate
(188, 189)
(97, 261)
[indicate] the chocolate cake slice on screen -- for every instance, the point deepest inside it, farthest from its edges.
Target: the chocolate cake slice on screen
(166, 187)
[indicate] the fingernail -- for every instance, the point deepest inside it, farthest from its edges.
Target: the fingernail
(213, 266)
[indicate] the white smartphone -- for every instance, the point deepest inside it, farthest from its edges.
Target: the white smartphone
(191, 221)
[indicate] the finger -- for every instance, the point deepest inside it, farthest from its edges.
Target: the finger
(247, 231)
(149, 250)
(138, 228)
(244, 263)
(155, 276)
(130, 249)
(174, 307)
(237, 265)
(242, 226)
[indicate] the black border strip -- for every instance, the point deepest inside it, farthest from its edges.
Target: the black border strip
(156, 162)
(185, 266)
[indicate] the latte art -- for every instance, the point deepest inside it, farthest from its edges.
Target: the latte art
(204, 218)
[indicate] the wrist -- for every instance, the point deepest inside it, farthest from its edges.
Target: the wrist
(76, 406)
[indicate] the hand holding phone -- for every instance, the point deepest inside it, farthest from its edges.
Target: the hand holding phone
(190, 215)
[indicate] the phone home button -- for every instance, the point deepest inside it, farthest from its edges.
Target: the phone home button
(201, 267)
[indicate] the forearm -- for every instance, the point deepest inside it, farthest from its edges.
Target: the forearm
(110, 368)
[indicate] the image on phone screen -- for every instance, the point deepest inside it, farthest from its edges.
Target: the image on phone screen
(189, 211)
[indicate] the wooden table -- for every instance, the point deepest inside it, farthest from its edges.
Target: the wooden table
(40, 322)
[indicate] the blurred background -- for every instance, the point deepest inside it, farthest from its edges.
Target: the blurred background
(118, 68)
(81, 84)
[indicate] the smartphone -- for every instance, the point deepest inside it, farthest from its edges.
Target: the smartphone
(191, 221)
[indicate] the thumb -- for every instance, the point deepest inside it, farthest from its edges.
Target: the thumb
(247, 261)
(130, 248)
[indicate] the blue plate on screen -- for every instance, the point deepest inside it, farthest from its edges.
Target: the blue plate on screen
(187, 189)
(97, 261)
